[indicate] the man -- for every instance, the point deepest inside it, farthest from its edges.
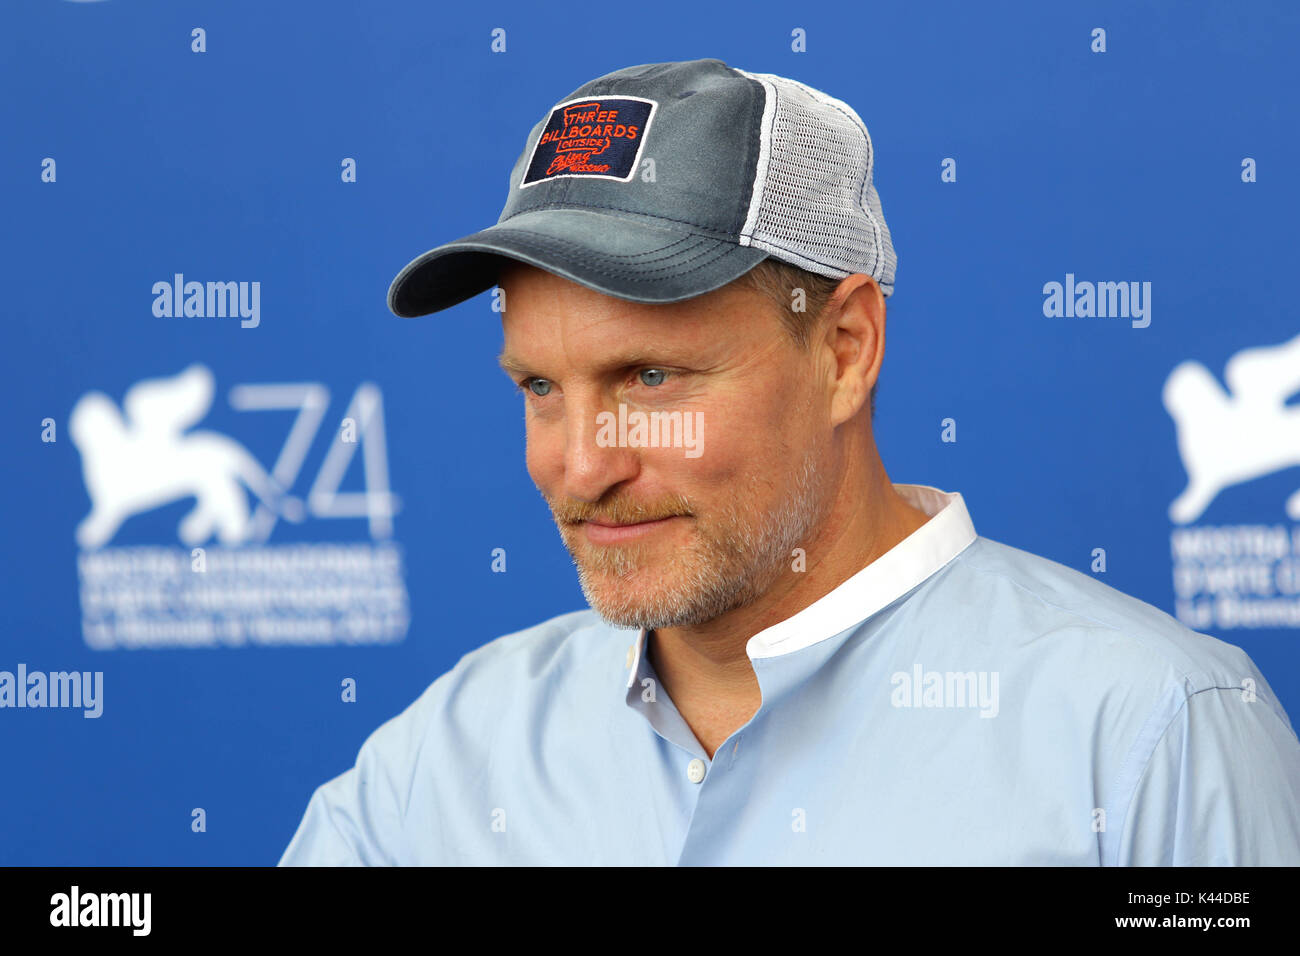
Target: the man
(822, 667)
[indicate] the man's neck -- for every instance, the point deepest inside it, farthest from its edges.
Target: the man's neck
(706, 669)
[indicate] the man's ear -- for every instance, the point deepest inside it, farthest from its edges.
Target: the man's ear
(855, 335)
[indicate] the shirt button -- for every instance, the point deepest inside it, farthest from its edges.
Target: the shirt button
(631, 655)
(695, 770)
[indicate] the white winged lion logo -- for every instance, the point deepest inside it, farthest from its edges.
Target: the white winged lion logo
(141, 461)
(1228, 437)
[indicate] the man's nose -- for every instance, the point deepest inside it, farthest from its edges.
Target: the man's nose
(594, 460)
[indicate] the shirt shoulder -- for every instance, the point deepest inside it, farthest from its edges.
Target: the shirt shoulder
(1202, 762)
(357, 818)
(1049, 598)
(471, 694)
(542, 657)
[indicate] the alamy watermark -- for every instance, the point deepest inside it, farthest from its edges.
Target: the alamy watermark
(651, 430)
(76, 908)
(83, 689)
(1102, 300)
(212, 300)
(922, 688)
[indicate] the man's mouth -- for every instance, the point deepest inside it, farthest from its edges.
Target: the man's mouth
(600, 532)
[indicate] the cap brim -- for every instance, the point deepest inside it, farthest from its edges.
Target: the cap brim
(628, 258)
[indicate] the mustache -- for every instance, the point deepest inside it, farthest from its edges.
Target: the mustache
(619, 510)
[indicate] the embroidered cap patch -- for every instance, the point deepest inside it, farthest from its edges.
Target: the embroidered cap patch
(593, 136)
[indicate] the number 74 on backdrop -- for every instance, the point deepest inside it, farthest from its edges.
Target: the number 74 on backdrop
(362, 425)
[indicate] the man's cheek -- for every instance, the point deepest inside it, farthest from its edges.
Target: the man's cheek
(542, 466)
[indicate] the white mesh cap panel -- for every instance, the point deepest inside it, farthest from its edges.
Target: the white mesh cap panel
(814, 203)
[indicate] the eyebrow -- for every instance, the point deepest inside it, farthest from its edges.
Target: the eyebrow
(509, 365)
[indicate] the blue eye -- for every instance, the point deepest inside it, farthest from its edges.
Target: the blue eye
(538, 386)
(657, 374)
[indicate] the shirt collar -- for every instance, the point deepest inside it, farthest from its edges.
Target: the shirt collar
(923, 552)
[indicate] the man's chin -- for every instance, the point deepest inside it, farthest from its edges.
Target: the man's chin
(639, 585)
(633, 616)
(639, 598)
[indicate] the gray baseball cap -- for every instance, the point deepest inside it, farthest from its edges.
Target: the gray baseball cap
(663, 181)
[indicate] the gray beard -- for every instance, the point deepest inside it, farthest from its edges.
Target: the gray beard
(721, 571)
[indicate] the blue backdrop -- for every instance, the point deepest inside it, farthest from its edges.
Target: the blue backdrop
(345, 475)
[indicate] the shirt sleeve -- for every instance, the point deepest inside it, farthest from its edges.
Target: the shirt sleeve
(1221, 786)
(357, 818)
(340, 827)
(360, 817)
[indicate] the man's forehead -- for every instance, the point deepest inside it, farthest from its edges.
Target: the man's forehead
(628, 345)
(619, 330)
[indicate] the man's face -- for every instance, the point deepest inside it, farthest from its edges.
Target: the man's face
(703, 530)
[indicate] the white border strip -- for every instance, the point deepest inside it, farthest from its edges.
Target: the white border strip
(764, 155)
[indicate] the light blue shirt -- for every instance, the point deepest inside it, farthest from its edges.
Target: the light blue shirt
(957, 701)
